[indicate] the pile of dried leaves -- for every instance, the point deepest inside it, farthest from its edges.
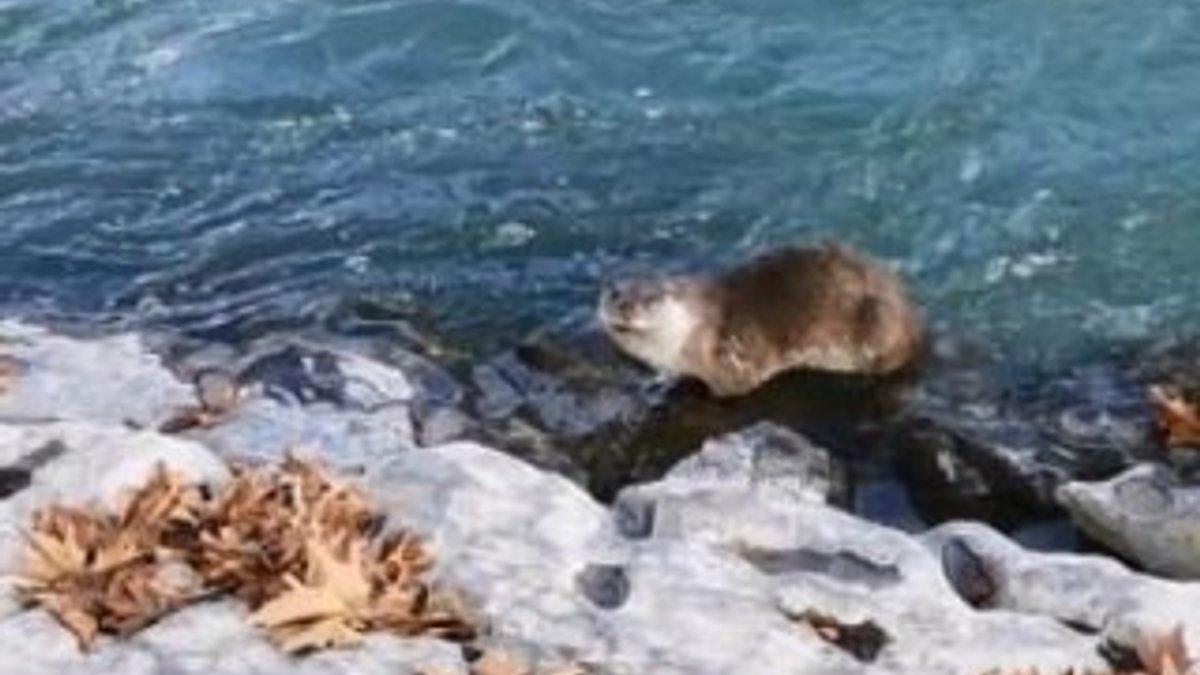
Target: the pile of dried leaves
(1164, 654)
(301, 549)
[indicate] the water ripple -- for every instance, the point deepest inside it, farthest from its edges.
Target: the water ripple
(232, 167)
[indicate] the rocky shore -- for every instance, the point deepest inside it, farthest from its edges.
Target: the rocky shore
(615, 528)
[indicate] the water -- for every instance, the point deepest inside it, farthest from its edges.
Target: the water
(232, 167)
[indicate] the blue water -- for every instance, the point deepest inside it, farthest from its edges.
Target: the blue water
(232, 167)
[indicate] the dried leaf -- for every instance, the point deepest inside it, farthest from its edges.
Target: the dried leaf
(1165, 653)
(497, 662)
(861, 640)
(325, 634)
(49, 558)
(10, 370)
(346, 591)
(71, 613)
(1178, 418)
(335, 591)
(191, 417)
(249, 538)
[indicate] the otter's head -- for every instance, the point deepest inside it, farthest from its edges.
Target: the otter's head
(652, 319)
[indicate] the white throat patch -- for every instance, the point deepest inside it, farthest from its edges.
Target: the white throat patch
(671, 324)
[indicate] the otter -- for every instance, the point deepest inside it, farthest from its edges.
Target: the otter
(823, 308)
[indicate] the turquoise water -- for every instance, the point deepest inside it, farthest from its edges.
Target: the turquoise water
(233, 167)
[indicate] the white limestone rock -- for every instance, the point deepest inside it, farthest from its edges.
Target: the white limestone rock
(712, 587)
(209, 639)
(1093, 591)
(113, 380)
(527, 544)
(815, 558)
(1146, 514)
(764, 458)
(348, 410)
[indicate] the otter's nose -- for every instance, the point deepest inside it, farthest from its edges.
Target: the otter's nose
(610, 294)
(616, 295)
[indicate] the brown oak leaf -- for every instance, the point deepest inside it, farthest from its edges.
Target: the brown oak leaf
(1177, 417)
(10, 370)
(329, 607)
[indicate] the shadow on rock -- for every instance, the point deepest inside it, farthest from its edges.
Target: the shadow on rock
(577, 393)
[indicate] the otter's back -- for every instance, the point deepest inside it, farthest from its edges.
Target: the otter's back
(826, 307)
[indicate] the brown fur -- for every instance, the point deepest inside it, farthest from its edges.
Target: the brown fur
(826, 308)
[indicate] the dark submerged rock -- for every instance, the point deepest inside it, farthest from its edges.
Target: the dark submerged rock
(987, 444)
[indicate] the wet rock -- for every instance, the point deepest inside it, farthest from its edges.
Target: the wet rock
(951, 485)
(1145, 514)
(1003, 452)
(18, 475)
(984, 442)
(567, 398)
(1057, 534)
(621, 426)
(1099, 409)
(14, 479)
(1168, 362)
